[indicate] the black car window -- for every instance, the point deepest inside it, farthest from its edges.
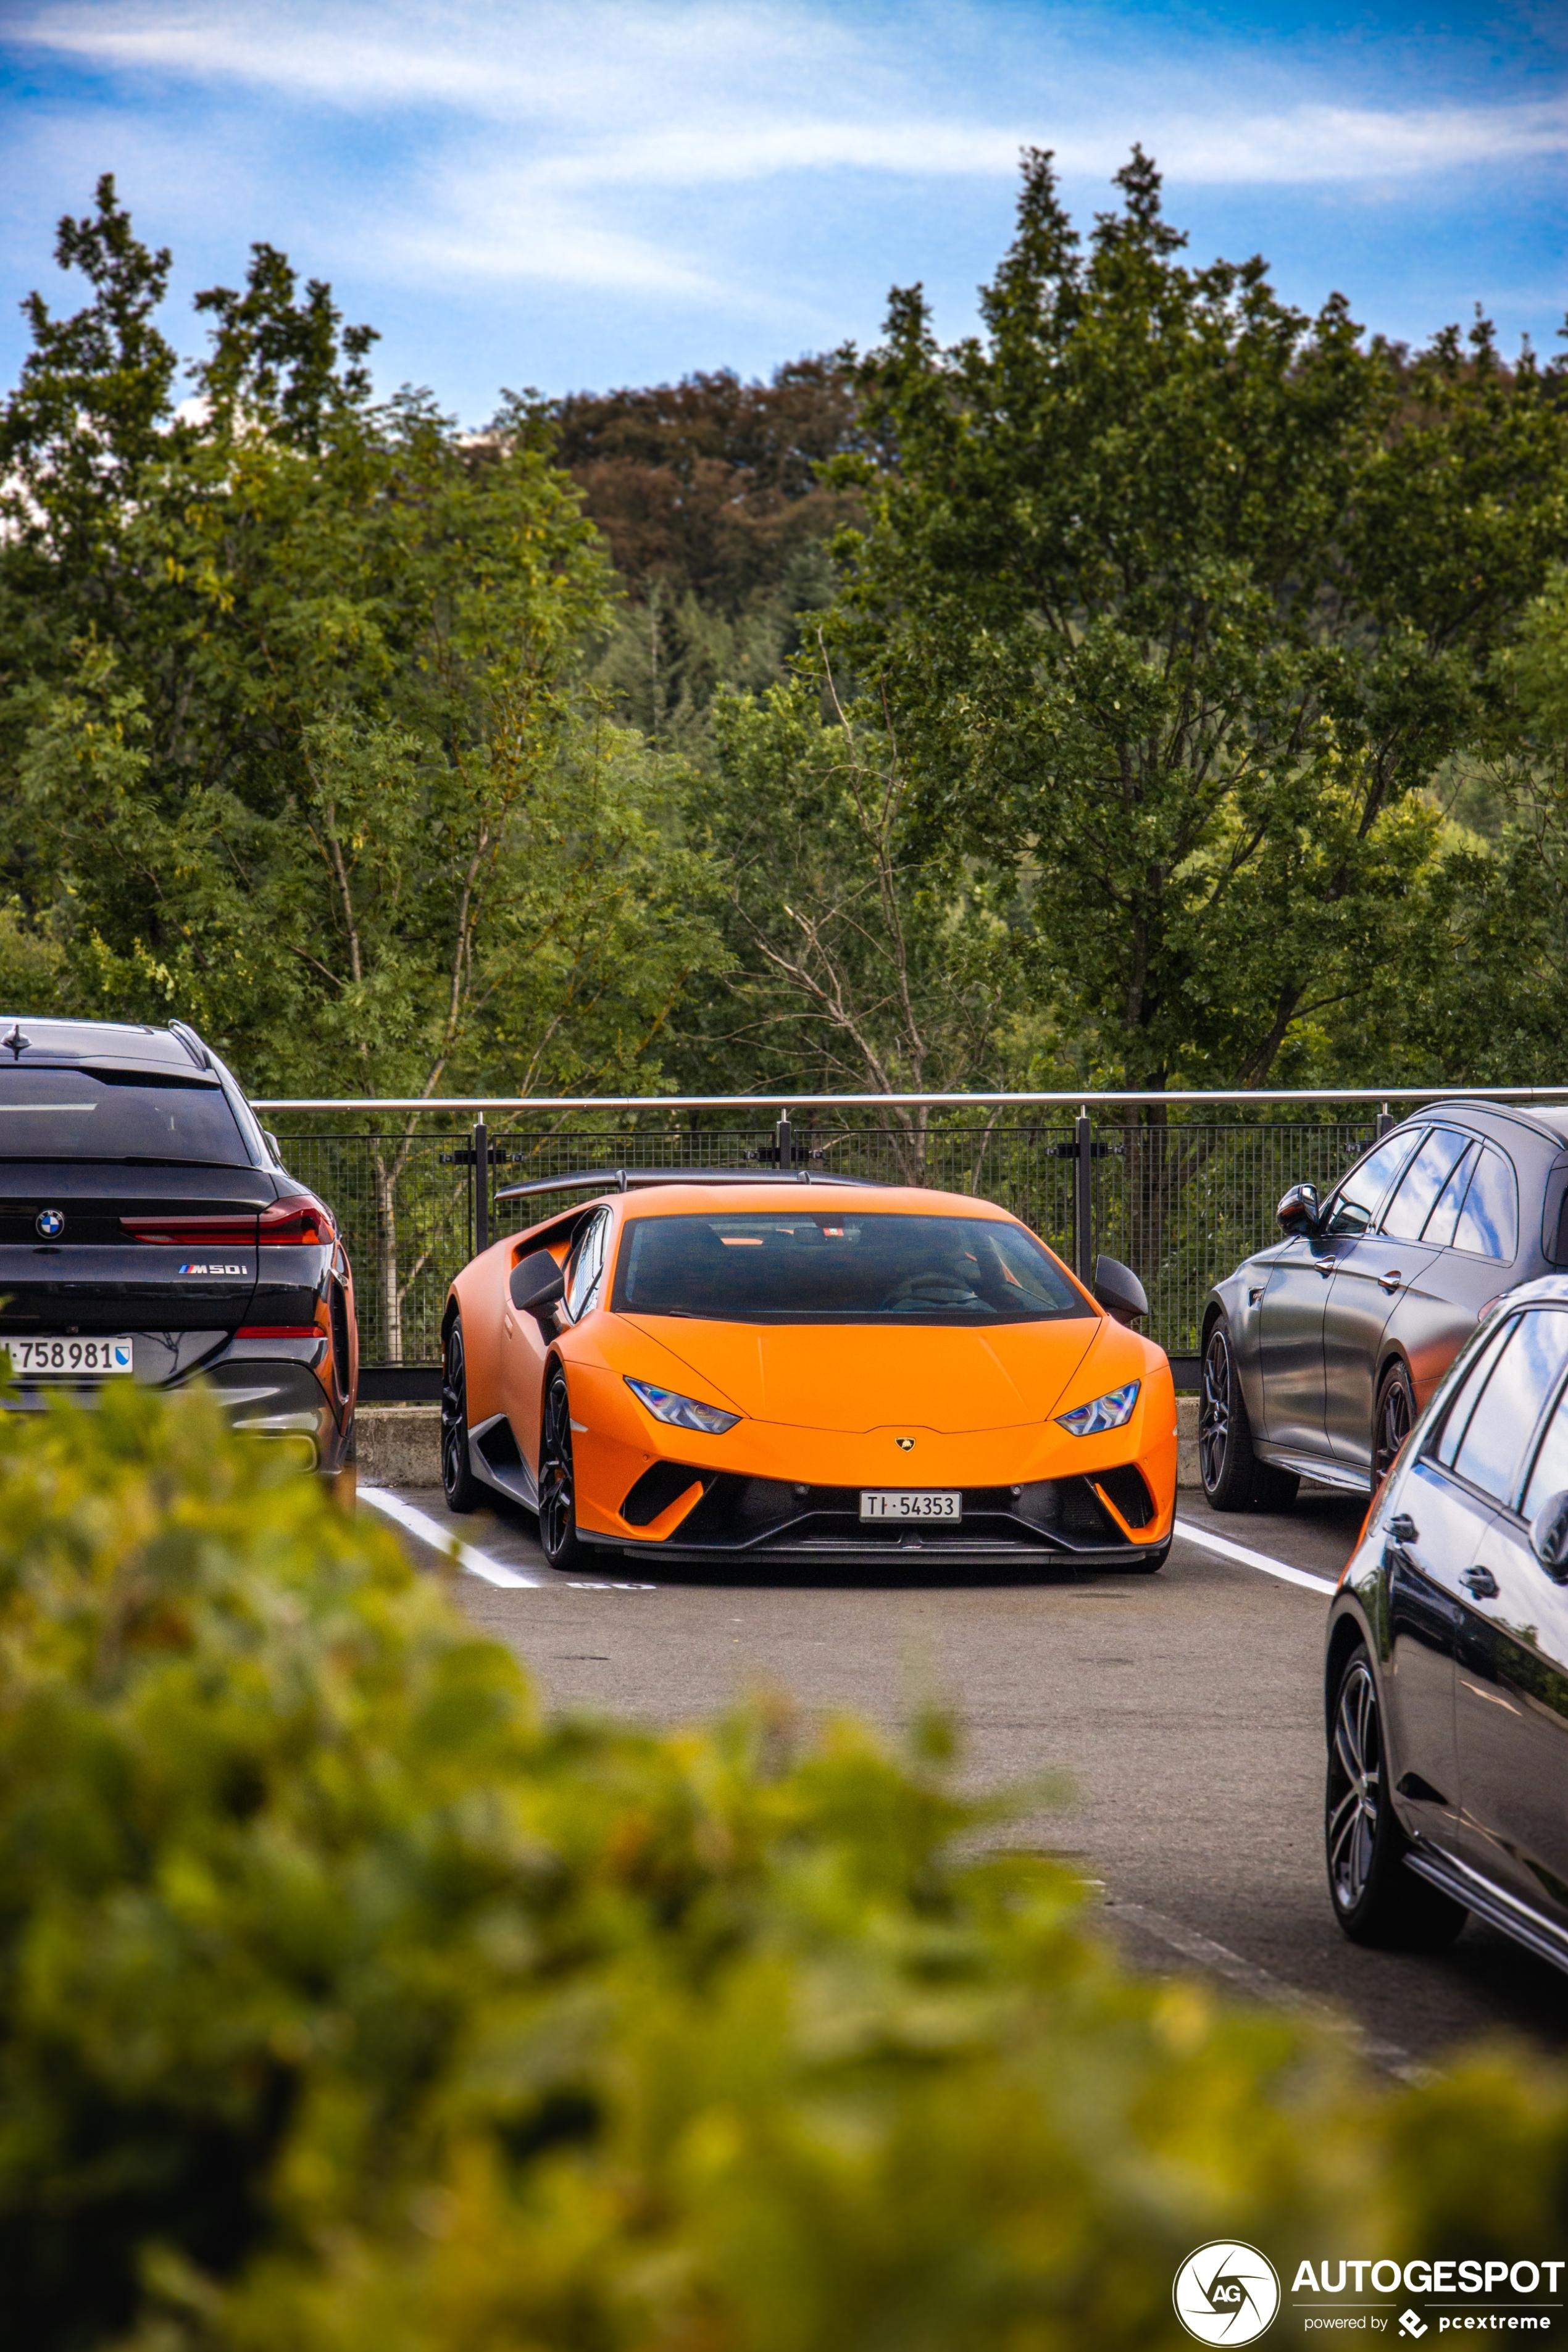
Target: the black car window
(1421, 1183)
(1549, 1471)
(1488, 1221)
(1360, 1196)
(66, 1114)
(840, 1266)
(1462, 1403)
(1525, 1371)
(1440, 1225)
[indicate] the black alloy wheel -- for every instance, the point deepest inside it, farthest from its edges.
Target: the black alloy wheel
(564, 1548)
(1232, 1477)
(1376, 1900)
(1392, 1421)
(458, 1483)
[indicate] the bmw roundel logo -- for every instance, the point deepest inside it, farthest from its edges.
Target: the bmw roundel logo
(51, 1223)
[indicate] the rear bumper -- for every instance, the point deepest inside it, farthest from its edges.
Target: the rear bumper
(267, 1389)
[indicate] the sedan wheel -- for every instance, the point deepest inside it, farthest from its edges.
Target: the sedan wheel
(1234, 1479)
(1392, 1421)
(564, 1548)
(461, 1488)
(1376, 1899)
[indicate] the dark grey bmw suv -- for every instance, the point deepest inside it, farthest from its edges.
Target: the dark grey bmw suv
(1319, 1351)
(148, 1230)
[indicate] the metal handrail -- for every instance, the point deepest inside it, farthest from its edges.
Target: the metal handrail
(1189, 1099)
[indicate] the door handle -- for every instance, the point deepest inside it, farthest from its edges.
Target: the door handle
(1403, 1529)
(1391, 1280)
(1326, 1266)
(1481, 1582)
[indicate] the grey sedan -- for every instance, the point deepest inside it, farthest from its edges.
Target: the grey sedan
(1319, 1351)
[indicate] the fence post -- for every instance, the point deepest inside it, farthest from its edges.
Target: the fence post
(784, 1139)
(1083, 1198)
(481, 1187)
(1385, 1123)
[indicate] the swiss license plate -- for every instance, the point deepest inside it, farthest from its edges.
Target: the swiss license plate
(878, 1502)
(40, 1359)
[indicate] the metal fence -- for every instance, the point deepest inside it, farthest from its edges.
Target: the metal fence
(1179, 1187)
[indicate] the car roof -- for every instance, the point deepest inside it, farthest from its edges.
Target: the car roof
(1546, 1121)
(773, 1199)
(98, 1044)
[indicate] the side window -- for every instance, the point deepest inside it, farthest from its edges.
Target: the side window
(1550, 1474)
(585, 1267)
(1525, 1371)
(1423, 1182)
(1360, 1197)
(1488, 1221)
(1440, 1225)
(1463, 1401)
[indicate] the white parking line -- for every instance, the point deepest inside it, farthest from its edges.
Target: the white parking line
(442, 1540)
(1248, 1559)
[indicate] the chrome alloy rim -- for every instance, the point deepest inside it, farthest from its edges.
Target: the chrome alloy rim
(1356, 1787)
(1213, 1410)
(453, 1410)
(556, 1470)
(1393, 1426)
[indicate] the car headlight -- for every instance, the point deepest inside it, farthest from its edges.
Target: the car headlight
(1108, 1412)
(683, 1412)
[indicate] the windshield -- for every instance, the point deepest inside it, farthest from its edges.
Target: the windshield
(830, 1266)
(86, 1114)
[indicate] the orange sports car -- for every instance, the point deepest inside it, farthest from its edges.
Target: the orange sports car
(711, 1367)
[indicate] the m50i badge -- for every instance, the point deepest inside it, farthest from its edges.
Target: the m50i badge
(51, 1223)
(211, 1266)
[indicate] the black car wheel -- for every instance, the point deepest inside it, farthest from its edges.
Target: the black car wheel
(1376, 1899)
(558, 1533)
(1392, 1421)
(1234, 1479)
(461, 1488)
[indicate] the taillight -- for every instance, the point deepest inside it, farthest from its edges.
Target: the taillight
(295, 1224)
(194, 1232)
(300, 1223)
(278, 1331)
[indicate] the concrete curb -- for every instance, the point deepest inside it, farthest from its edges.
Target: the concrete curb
(400, 1444)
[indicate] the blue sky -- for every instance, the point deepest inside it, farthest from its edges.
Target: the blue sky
(523, 192)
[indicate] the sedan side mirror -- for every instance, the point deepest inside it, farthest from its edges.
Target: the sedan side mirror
(1118, 1289)
(537, 1285)
(1297, 1212)
(1548, 1537)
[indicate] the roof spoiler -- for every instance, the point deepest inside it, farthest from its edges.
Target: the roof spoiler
(634, 1179)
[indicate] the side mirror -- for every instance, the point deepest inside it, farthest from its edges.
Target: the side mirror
(1548, 1537)
(1118, 1289)
(537, 1285)
(1298, 1211)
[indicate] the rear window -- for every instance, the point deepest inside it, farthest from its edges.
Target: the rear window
(89, 1115)
(833, 1266)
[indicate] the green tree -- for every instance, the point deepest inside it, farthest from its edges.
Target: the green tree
(1180, 599)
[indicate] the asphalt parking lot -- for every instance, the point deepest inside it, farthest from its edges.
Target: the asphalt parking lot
(1183, 1708)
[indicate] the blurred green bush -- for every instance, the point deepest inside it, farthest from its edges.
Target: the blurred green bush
(347, 2005)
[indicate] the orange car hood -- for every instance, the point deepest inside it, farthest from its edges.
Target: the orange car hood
(853, 1377)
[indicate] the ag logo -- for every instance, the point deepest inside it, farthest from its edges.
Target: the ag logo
(905, 1445)
(1227, 2293)
(51, 1223)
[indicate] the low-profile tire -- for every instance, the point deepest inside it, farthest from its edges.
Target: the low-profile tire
(1376, 1900)
(563, 1546)
(458, 1483)
(1391, 1421)
(1227, 1464)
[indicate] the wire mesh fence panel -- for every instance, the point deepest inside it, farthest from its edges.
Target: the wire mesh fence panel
(1181, 1202)
(1184, 1205)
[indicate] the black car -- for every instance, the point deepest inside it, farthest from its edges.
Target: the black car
(148, 1230)
(1318, 1353)
(1447, 1669)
